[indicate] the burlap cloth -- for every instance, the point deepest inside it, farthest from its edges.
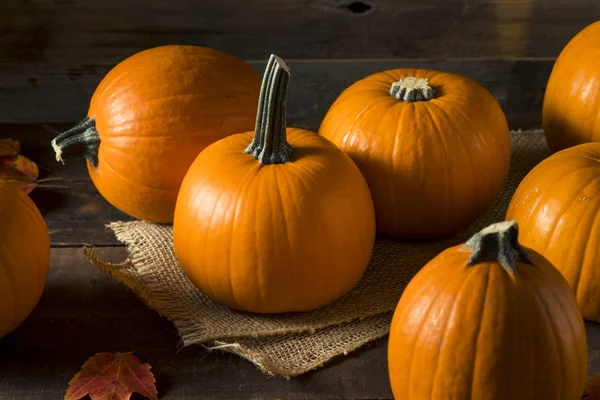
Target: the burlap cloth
(292, 344)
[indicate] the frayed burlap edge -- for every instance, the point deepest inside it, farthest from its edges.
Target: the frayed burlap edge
(345, 338)
(159, 297)
(367, 330)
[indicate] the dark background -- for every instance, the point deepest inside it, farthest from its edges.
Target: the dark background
(54, 52)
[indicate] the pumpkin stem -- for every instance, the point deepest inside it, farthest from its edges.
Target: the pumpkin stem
(82, 140)
(411, 89)
(269, 144)
(497, 243)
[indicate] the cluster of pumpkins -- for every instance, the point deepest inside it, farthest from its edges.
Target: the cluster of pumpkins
(271, 219)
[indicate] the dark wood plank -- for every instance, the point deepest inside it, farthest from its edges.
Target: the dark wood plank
(77, 215)
(82, 312)
(58, 97)
(84, 34)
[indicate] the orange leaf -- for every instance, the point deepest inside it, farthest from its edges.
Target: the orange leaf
(9, 147)
(19, 170)
(112, 376)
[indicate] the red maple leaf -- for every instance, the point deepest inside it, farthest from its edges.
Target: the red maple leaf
(112, 376)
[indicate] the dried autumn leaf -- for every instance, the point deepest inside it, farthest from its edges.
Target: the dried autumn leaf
(18, 167)
(112, 376)
(19, 170)
(9, 147)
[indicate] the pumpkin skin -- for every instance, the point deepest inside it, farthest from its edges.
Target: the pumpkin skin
(571, 102)
(476, 328)
(558, 204)
(153, 114)
(271, 237)
(24, 256)
(433, 166)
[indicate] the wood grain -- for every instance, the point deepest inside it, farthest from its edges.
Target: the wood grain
(83, 311)
(58, 97)
(77, 34)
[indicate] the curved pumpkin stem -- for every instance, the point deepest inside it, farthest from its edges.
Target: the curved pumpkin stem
(82, 140)
(269, 145)
(411, 89)
(497, 243)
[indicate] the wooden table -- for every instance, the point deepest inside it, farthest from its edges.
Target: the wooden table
(54, 53)
(83, 312)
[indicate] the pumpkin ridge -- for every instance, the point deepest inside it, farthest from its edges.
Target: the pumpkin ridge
(553, 343)
(258, 275)
(449, 186)
(425, 319)
(559, 345)
(540, 199)
(566, 206)
(465, 146)
(390, 188)
(126, 176)
(200, 95)
(247, 182)
(281, 205)
(475, 125)
(388, 73)
(363, 92)
(479, 329)
(116, 75)
(480, 127)
(584, 252)
(358, 118)
(447, 325)
(561, 306)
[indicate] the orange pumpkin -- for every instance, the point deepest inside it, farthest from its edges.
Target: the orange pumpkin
(571, 102)
(488, 320)
(275, 220)
(557, 205)
(24, 256)
(151, 116)
(434, 148)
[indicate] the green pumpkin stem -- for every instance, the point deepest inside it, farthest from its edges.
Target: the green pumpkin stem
(497, 243)
(82, 140)
(412, 89)
(269, 144)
